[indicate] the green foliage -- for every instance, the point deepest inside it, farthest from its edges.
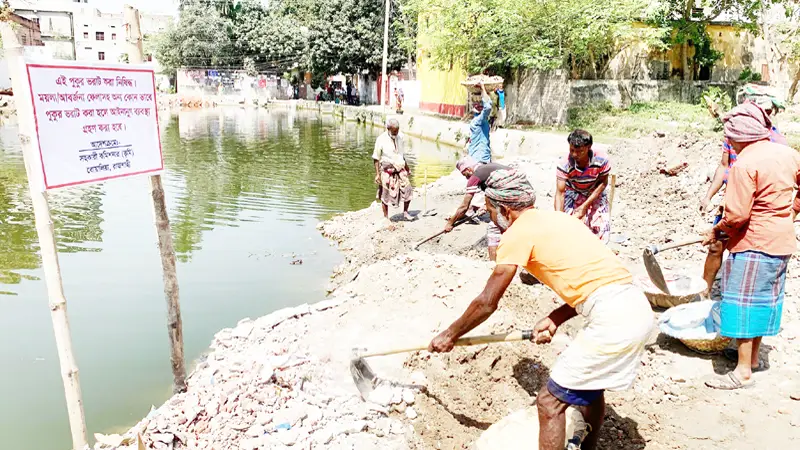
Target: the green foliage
(748, 75)
(685, 21)
(200, 38)
(639, 119)
(584, 116)
(249, 66)
(323, 37)
(716, 96)
(502, 35)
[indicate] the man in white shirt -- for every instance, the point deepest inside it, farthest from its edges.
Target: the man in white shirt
(391, 170)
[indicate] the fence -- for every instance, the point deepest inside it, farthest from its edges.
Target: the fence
(232, 83)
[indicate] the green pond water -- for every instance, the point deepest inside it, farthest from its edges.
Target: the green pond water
(245, 190)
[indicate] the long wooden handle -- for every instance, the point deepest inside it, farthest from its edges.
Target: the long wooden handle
(458, 222)
(611, 194)
(524, 335)
(680, 244)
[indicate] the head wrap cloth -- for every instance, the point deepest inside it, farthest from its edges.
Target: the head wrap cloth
(510, 187)
(747, 122)
(467, 162)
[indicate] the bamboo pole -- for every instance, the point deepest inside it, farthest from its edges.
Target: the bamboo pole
(613, 191)
(425, 201)
(47, 239)
(384, 78)
(133, 43)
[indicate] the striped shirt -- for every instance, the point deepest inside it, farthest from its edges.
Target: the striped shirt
(774, 136)
(584, 180)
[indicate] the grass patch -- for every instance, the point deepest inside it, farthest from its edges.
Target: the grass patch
(640, 119)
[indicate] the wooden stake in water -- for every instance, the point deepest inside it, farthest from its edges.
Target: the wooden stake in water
(165, 246)
(425, 189)
(47, 239)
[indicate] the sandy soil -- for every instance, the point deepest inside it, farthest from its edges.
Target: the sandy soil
(291, 367)
(669, 407)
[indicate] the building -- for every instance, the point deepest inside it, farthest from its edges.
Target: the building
(55, 23)
(101, 36)
(28, 31)
(72, 29)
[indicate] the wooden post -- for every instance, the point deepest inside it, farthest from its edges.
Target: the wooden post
(384, 63)
(133, 43)
(47, 239)
(425, 201)
(613, 182)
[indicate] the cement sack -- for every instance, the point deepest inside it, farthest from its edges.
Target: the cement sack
(520, 430)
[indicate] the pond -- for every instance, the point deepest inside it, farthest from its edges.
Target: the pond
(245, 189)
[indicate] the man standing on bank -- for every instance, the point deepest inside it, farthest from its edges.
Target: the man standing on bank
(758, 224)
(391, 170)
(476, 175)
(565, 256)
(771, 105)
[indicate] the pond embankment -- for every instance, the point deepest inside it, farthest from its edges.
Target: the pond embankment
(282, 380)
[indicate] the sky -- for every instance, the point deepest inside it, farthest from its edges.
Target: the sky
(150, 6)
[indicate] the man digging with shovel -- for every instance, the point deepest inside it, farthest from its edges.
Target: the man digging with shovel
(563, 254)
(476, 174)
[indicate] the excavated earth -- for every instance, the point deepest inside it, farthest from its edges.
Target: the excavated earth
(282, 381)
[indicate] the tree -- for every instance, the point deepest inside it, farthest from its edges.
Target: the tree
(200, 38)
(685, 22)
(347, 36)
(502, 35)
(781, 29)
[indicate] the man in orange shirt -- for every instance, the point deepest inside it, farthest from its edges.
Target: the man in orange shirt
(563, 254)
(757, 221)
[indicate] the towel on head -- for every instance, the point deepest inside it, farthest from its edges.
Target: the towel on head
(747, 122)
(510, 186)
(467, 162)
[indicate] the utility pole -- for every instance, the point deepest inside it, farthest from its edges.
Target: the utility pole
(384, 78)
(133, 43)
(47, 239)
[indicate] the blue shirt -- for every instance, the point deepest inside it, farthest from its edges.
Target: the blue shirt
(479, 135)
(501, 96)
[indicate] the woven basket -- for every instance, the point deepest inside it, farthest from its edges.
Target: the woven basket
(707, 346)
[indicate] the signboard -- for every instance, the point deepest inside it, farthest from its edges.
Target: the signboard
(94, 123)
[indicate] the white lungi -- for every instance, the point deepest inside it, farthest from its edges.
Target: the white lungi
(608, 350)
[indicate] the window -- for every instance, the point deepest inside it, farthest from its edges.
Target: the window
(86, 35)
(113, 36)
(101, 56)
(100, 36)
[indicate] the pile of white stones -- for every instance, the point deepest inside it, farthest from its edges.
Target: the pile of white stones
(257, 390)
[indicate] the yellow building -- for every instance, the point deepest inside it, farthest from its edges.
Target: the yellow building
(441, 91)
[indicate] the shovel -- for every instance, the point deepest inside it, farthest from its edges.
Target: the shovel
(458, 222)
(365, 379)
(651, 263)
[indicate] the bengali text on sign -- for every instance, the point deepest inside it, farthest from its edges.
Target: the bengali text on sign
(94, 123)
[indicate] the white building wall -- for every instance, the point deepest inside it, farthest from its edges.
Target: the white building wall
(98, 36)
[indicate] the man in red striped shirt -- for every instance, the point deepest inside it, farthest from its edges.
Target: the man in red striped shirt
(581, 181)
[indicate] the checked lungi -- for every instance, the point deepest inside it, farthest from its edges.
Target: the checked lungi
(752, 294)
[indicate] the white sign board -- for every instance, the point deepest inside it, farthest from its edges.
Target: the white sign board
(94, 123)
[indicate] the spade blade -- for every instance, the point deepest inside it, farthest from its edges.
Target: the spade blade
(363, 375)
(654, 270)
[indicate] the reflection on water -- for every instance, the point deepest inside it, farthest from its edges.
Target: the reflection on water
(245, 189)
(75, 213)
